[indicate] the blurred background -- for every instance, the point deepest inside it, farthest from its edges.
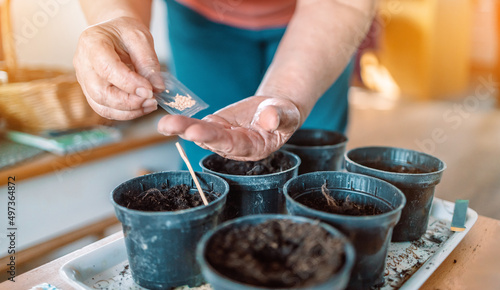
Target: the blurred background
(427, 78)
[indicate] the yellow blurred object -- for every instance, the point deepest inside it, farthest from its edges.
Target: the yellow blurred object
(34, 100)
(376, 77)
(426, 46)
(7, 39)
(497, 71)
(484, 42)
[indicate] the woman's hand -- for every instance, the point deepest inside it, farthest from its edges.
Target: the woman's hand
(117, 68)
(250, 129)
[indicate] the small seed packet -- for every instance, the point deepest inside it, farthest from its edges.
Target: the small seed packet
(177, 99)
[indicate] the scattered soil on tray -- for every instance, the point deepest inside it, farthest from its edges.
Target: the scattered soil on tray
(325, 202)
(276, 254)
(124, 271)
(276, 162)
(397, 168)
(165, 199)
(123, 282)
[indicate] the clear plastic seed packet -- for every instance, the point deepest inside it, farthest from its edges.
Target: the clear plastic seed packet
(177, 99)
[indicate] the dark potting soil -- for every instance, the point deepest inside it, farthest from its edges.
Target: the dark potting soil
(325, 202)
(276, 162)
(397, 168)
(276, 254)
(165, 199)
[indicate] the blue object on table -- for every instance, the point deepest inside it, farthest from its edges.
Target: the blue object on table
(459, 215)
(67, 143)
(12, 153)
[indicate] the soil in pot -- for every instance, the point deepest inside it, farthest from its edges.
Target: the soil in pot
(164, 199)
(397, 168)
(276, 162)
(276, 254)
(325, 202)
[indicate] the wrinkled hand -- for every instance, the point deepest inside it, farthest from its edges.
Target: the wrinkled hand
(248, 130)
(117, 67)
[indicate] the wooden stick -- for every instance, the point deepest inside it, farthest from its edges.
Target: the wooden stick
(186, 160)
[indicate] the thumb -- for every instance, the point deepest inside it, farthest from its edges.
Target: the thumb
(145, 60)
(277, 115)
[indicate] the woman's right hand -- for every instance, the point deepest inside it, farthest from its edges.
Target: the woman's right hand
(117, 68)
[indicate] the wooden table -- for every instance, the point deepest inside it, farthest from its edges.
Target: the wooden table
(474, 264)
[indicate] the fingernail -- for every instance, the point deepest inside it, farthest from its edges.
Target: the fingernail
(149, 103)
(144, 93)
(148, 110)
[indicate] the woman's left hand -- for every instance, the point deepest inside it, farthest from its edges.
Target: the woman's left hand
(248, 130)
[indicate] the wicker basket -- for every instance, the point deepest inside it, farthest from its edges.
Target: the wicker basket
(35, 100)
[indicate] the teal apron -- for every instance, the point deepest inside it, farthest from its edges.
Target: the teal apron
(223, 64)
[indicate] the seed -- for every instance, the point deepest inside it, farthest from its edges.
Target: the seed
(182, 102)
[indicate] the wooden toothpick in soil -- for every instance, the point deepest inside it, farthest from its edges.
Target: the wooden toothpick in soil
(190, 168)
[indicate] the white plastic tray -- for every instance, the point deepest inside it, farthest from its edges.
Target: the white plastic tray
(409, 264)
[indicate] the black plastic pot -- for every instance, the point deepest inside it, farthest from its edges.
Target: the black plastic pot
(255, 194)
(221, 282)
(417, 187)
(370, 235)
(161, 245)
(319, 150)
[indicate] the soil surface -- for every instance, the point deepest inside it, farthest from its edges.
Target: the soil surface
(325, 202)
(397, 168)
(276, 254)
(276, 162)
(164, 199)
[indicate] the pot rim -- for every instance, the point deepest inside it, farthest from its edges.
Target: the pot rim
(230, 176)
(310, 130)
(323, 214)
(389, 173)
(169, 213)
(350, 254)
